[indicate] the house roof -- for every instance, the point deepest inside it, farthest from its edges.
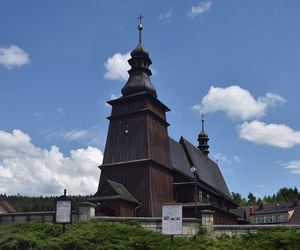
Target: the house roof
(273, 208)
(7, 207)
(281, 208)
(184, 155)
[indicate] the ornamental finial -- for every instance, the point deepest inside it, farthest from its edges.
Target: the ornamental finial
(140, 28)
(202, 122)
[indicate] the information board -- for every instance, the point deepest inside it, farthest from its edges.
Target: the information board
(172, 219)
(63, 211)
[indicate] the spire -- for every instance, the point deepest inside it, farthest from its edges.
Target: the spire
(139, 74)
(203, 139)
(202, 121)
(140, 27)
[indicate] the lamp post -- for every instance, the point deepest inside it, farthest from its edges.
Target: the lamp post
(193, 171)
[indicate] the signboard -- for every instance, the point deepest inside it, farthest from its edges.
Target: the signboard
(172, 219)
(63, 211)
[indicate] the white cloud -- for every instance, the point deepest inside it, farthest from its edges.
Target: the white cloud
(272, 99)
(87, 136)
(75, 135)
(277, 135)
(60, 111)
(117, 67)
(166, 15)
(30, 170)
(199, 9)
(236, 102)
(113, 96)
(13, 56)
(221, 158)
(237, 159)
(292, 166)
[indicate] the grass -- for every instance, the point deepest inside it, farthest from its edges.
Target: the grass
(122, 236)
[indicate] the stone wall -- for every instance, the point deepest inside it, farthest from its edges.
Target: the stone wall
(31, 216)
(190, 225)
(231, 230)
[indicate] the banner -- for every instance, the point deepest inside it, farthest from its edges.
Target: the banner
(172, 219)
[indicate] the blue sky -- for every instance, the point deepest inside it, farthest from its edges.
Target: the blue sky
(236, 61)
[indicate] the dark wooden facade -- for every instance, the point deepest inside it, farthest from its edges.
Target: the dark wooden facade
(137, 152)
(150, 167)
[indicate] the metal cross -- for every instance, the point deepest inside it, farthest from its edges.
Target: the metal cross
(140, 17)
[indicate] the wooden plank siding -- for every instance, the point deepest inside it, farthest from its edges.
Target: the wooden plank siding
(137, 151)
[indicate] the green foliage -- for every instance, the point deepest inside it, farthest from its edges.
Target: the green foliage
(37, 204)
(283, 195)
(202, 231)
(121, 236)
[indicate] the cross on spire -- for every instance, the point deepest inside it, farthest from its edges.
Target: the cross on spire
(140, 27)
(202, 122)
(140, 17)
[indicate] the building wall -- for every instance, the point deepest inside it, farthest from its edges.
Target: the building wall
(270, 218)
(2, 210)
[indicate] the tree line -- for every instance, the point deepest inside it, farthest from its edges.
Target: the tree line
(283, 195)
(46, 203)
(35, 204)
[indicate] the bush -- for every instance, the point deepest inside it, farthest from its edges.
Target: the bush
(131, 236)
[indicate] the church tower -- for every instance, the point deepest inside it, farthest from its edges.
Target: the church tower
(137, 157)
(203, 140)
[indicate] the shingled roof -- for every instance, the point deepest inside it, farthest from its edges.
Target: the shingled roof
(117, 192)
(7, 207)
(184, 155)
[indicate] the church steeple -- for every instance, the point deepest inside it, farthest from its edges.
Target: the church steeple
(203, 140)
(139, 74)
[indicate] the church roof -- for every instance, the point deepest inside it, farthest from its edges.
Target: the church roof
(184, 155)
(121, 191)
(118, 192)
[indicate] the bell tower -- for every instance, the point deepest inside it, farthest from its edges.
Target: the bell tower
(137, 150)
(203, 140)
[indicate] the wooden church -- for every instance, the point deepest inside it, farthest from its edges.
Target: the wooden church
(143, 167)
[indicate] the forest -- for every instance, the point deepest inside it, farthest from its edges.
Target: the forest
(283, 195)
(34, 204)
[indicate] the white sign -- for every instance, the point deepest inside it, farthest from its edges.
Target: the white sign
(172, 219)
(63, 211)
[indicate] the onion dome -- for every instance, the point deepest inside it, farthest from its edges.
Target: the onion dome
(203, 140)
(139, 74)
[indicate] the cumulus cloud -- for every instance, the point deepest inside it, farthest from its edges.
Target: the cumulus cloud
(30, 170)
(13, 56)
(87, 136)
(166, 15)
(277, 135)
(292, 166)
(117, 66)
(199, 9)
(237, 102)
